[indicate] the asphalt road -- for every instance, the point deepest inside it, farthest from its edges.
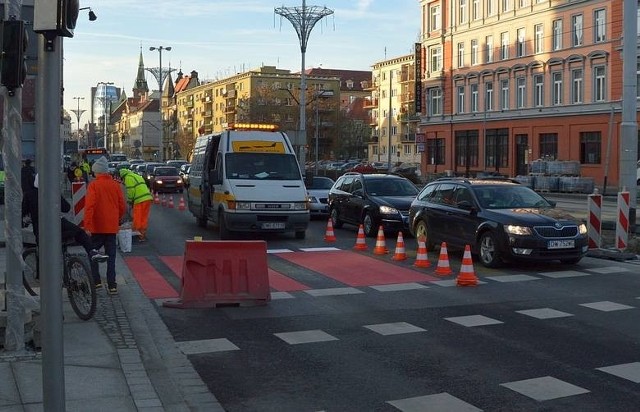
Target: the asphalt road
(353, 331)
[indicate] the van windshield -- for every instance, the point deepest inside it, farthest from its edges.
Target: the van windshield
(262, 166)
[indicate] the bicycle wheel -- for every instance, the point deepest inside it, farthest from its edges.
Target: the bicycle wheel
(80, 287)
(30, 277)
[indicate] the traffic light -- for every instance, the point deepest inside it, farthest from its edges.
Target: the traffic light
(56, 16)
(14, 46)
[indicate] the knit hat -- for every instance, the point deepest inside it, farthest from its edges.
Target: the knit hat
(100, 165)
(35, 181)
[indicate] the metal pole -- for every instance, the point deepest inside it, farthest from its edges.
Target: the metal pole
(50, 256)
(629, 127)
(608, 153)
(163, 158)
(12, 153)
(317, 145)
(390, 117)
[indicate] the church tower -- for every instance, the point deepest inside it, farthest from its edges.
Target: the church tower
(140, 87)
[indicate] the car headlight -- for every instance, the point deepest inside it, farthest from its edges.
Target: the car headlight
(582, 228)
(179, 181)
(159, 181)
(313, 199)
(386, 210)
(517, 230)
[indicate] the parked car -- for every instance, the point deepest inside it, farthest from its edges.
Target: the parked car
(111, 167)
(371, 200)
(500, 219)
(318, 189)
(176, 162)
(409, 170)
(165, 179)
(148, 171)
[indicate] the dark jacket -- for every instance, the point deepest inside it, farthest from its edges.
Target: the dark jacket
(30, 207)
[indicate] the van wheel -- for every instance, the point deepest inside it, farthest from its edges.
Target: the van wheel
(301, 234)
(225, 233)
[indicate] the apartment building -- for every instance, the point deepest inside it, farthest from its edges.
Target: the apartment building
(507, 82)
(392, 108)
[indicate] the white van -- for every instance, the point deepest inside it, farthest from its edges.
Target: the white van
(247, 179)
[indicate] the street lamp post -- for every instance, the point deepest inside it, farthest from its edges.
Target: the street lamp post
(160, 81)
(78, 113)
(105, 112)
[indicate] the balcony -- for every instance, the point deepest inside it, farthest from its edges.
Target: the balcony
(373, 121)
(230, 94)
(408, 137)
(370, 103)
(409, 117)
(207, 113)
(230, 109)
(189, 103)
(407, 97)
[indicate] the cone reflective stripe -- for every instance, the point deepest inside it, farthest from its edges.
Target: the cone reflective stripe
(156, 199)
(329, 236)
(400, 253)
(171, 205)
(381, 248)
(422, 260)
(361, 244)
(443, 268)
(467, 276)
(181, 205)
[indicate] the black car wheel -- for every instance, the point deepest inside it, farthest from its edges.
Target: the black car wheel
(335, 219)
(421, 230)
(369, 225)
(489, 253)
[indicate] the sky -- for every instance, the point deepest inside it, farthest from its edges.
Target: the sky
(218, 38)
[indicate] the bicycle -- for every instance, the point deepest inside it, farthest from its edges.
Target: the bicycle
(76, 278)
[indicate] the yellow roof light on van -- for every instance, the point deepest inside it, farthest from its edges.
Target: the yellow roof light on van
(253, 126)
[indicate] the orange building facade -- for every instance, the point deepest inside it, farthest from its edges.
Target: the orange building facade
(508, 82)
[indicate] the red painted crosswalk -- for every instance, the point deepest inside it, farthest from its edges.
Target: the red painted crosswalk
(346, 267)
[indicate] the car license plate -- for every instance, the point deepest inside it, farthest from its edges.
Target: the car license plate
(273, 225)
(561, 244)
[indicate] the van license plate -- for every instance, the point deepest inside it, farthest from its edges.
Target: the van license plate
(273, 225)
(561, 244)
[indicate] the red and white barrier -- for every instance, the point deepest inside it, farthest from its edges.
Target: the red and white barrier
(594, 224)
(78, 193)
(622, 223)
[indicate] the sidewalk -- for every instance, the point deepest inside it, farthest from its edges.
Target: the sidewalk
(124, 359)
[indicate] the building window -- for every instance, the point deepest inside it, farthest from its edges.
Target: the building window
(460, 54)
(506, 5)
(435, 101)
(523, 3)
(557, 88)
(491, 7)
(599, 85)
(538, 90)
(504, 94)
(462, 18)
(521, 46)
(435, 151)
(557, 34)
(504, 46)
(474, 98)
(576, 30)
(590, 147)
(407, 149)
(521, 92)
(496, 148)
(538, 40)
(600, 30)
(434, 17)
(435, 58)
(548, 146)
(466, 148)
(460, 99)
(488, 96)
(474, 52)
(475, 9)
(576, 86)
(488, 51)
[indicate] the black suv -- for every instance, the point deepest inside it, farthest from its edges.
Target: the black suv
(500, 219)
(371, 200)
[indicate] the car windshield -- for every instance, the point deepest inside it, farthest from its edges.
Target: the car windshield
(508, 197)
(263, 166)
(166, 171)
(390, 187)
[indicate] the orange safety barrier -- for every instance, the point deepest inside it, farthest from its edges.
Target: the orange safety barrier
(467, 276)
(217, 272)
(400, 253)
(422, 259)
(381, 248)
(443, 268)
(329, 236)
(361, 243)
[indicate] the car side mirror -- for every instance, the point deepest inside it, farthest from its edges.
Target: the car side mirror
(213, 177)
(465, 204)
(358, 193)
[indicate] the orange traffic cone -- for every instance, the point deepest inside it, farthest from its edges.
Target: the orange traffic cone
(329, 236)
(360, 241)
(400, 253)
(164, 200)
(171, 205)
(467, 276)
(381, 248)
(422, 260)
(156, 199)
(443, 268)
(181, 205)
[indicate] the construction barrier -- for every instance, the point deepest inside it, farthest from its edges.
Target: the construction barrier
(329, 236)
(216, 273)
(78, 194)
(622, 223)
(594, 224)
(381, 247)
(443, 268)
(400, 253)
(467, 275)
(361, 243)
(422, 259)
